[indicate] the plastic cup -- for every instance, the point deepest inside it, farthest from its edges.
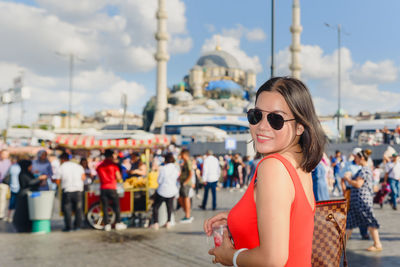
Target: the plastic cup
(218, 234)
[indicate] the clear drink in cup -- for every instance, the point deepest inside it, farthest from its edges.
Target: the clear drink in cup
(218, 234)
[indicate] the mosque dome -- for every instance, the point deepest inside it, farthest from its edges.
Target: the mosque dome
(218, 58)
(182, 96)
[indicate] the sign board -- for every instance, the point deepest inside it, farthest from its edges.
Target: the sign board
(230, 144)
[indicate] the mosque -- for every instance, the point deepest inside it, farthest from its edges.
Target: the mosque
(216, 88)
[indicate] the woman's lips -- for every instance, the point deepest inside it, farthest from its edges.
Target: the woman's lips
(263, 138)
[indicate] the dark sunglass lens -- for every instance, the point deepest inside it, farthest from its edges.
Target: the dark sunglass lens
(254, 116)
(275, 120)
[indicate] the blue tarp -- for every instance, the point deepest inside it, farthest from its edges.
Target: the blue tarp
(222, 84)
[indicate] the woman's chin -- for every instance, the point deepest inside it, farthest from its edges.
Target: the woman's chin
(263, 149)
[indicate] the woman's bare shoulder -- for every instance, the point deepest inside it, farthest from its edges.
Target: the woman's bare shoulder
(274, 183)
(270, 169)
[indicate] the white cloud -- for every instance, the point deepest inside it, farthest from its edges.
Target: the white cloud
(382, 72)
(236, 32)
(92, 90)
(229, 41)
(255, 35)
(112, 96)
(73, 8)
(112, 36)
(180, 45)
(84, 28)
(361, 87)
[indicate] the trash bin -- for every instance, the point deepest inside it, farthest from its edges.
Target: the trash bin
(40, 206)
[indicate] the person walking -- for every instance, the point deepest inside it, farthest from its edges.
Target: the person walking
(167, 189)
(71, 176)
(320, 186)
(336, 164)
(5, 164)
(14, 172)
(361, 211)
(109, 174)
(352, 167)
(273, 223)
(211, 175)
(185, 179)
(392, 176)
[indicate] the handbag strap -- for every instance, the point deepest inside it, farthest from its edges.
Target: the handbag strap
(342, 237)
(345, 264)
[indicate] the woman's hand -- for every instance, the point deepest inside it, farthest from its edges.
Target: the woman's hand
(224, 253)
(219, 219)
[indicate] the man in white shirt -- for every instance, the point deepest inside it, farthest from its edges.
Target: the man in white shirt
(71, 176)
(211, 174)
(393, 177)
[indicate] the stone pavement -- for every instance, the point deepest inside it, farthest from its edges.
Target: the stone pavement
(183, 245)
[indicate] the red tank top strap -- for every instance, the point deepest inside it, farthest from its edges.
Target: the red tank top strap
(289, 167)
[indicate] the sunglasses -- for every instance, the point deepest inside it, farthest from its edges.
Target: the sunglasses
(254, 116)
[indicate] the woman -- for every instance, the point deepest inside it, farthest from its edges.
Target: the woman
(273, 223)
(167, 189)
(320, 186)
(89, 173)
(27, 182)
(361, 195)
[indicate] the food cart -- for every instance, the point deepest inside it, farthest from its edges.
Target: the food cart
(134, 193)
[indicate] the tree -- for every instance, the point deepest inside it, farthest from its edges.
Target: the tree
(148, 113)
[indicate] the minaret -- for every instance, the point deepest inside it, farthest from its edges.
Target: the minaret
(161, 57)
(295, 48)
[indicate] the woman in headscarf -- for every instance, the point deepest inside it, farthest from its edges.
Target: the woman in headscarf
(27, 181)
(42, 166)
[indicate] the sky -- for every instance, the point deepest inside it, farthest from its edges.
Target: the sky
(113, 45)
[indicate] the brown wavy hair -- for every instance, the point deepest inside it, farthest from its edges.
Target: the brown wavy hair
(298, 98)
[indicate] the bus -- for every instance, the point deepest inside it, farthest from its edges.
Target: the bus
(230, 127)
(370, 126)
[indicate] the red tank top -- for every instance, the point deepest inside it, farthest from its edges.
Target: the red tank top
(242, 220)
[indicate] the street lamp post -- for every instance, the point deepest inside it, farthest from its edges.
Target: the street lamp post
(71, 74)
(338, 28)
(272, 37)
(72, 58)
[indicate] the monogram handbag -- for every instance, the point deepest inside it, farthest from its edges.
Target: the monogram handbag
(329, 239)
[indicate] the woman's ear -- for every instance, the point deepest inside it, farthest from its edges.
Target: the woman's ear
(299, 129)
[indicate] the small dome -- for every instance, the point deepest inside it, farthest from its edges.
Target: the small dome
(218, 58)
(182, 96)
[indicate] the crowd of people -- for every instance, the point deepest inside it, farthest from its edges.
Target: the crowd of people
(290, 159)
(357, 178)
(180, 177)
(380, 136)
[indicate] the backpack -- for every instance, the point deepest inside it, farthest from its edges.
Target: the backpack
(231, 168)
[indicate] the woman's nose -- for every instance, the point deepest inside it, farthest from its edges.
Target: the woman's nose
(264, 124)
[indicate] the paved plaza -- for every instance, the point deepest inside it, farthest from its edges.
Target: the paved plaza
(183, 245)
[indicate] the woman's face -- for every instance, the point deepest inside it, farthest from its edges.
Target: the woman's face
(357, 159)
(85, 163)
(43, 156)
(266, 139)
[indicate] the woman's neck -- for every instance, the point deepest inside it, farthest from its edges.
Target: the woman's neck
(292, 153)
